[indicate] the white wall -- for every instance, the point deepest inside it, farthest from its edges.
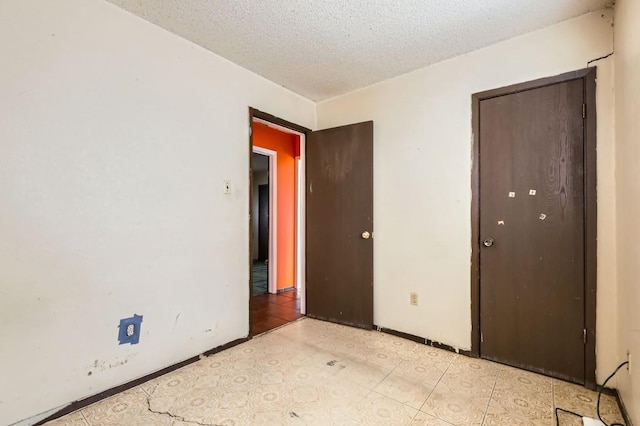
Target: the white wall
(115, 138)
(627, 65)
(422, 176)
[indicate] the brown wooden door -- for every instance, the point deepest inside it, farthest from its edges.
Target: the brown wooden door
(339, 208)
(532, 281)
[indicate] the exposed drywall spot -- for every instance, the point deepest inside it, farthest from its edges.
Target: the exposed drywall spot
(501, 222)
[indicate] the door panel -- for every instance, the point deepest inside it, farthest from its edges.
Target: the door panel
(532, 205)
(339, 205)
(263, 222)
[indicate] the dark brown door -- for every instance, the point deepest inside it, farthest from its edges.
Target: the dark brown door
(532, 282)
(339, 210)
(263, 222)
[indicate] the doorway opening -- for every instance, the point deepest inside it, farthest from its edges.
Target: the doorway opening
(276, 222)
(261, 174)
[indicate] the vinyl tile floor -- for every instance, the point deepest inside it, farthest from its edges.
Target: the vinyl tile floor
(310, 372)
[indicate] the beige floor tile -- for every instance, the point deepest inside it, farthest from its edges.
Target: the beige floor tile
(340, 393)
(127, 408)
(423, 369)
(309, 374)
(376, 409)
(467, 383)
(383, 357)
(565, 419)
(474, 367)
(457, 409)
(433, 355)
(526, 403)
(424, 419)
(404, 389)
(363, 373)
(583, 401)
(513, 378)
(193, 405)
(231, 417)
(499, 416)
(234, 399)
(73, 419)
(172, 384)
(521, 384)
(233, 378)
(398, 345)
(284, 416)
(328, 361)
(267, 398)
(320, 414)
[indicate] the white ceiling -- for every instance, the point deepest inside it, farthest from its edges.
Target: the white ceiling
(324, 48)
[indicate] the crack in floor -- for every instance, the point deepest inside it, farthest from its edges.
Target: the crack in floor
(174, 416)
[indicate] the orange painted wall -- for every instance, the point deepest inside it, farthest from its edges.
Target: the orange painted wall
(287, 146)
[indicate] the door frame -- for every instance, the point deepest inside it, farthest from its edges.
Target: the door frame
(588, 76)
(256, 115)
(272, 275)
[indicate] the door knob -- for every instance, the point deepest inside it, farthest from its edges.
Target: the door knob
(366, 235)
(488, 242)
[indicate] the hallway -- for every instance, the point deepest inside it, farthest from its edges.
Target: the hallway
(269, 311)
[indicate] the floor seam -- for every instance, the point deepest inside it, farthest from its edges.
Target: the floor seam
(437, 383)
(84, 417)
(493, 389)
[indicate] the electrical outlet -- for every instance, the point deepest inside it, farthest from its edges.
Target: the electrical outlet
(227, 187)
(629, 361)
(413, 298)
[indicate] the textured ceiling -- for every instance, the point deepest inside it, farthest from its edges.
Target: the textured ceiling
(324, 48)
